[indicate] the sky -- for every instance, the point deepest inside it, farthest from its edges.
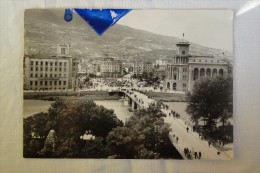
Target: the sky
(210, 28)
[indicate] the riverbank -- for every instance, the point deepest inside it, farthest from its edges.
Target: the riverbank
(92, 95)
(167, 97)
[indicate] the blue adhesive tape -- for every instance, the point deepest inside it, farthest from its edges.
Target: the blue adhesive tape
(68, 15)
(99, 19)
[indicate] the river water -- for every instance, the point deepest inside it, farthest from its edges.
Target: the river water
(35, 106)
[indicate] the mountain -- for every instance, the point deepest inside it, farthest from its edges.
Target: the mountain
(44, 29)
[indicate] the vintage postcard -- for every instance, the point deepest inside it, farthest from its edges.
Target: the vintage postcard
(128, 84)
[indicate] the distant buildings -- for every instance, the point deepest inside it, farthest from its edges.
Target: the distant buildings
(51, 73)
(141, 67)
(110, 67)
(185, 69)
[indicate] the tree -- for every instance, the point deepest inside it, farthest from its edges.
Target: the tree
(50, 145)
(70, 119)
(125, 142)
(95, 148)
(151, 124)
(211, 99)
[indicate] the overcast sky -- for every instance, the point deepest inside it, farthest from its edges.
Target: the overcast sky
(211, 28)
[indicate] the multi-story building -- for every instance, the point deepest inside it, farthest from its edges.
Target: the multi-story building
(51, 73)
(185, 69)
(141, 67)
(110, 67)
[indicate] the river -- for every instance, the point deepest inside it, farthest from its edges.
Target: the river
(35, 106)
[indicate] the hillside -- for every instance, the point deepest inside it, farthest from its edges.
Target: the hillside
(44, 29)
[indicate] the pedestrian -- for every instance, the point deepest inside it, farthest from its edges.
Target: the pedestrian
(185, 151)
(209, 143)
(177, 139)
(187, 129)
(199, 155)
(195, 154)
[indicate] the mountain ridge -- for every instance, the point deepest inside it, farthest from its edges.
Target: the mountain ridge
(44, 29)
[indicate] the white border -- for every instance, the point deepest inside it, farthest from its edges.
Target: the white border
(246, 91)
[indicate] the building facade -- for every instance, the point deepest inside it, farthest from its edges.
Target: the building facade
(141, 67)
(110, 67)
(185, 69)
(51, 73)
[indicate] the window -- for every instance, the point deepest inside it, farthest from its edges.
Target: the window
(31, 75)
(184, 85)
(36, 75)
(184, 77)
(59, 82)
(184, 69)
(50, 75)
(36, 68)
(31, 82)
(55, 69)
(50, 82)
(46, 75)
(36, 62)
(40, 82)
(46, 82)
(56, 63)
(51, 64)
(65, 69)
(175, 77)
(46, 69)
(40, 75)
(31, 68)
(62, 51)
(41, 63)
(64, 82)
(65, 63)
(183, 52)
(46, 63)
(60, 69)
(41, 68)
(60, 63)
(55, 82)
(31, 62)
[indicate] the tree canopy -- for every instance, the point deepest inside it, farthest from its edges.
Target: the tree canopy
(211, 100)
(59, 132)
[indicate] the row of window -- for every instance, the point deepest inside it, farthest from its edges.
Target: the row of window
(40, 88)
(48, 75)
(48, 63)
(46, 69)
(48, 83)
(174, 86)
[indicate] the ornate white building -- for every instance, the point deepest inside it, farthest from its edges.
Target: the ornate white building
(185, 69)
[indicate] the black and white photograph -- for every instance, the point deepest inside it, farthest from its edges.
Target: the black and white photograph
(152, 84)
